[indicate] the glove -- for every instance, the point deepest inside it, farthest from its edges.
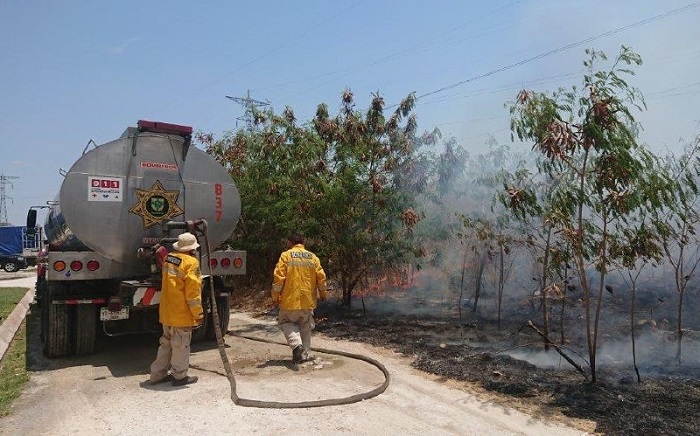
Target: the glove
(275, 298)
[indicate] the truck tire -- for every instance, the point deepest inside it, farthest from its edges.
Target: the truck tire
(85, 328)
(223, 307)
(44, 304)
(40, 294)
(55, 321)
(56, 342)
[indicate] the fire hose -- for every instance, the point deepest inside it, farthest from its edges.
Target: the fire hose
(201, 226)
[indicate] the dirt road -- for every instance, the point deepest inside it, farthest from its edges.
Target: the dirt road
(106, 393)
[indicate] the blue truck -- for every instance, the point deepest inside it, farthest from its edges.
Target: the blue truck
(19, 248)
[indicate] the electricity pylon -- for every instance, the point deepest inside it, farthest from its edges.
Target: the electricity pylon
(4, 182)
(250, 105)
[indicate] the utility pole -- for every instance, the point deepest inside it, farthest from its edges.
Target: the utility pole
(251, 105)
(4, 182)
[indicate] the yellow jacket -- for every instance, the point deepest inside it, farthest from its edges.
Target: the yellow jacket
(298, 279)
(181, 294)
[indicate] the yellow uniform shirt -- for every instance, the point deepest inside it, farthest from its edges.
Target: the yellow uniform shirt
(298, 279)
(181, 293)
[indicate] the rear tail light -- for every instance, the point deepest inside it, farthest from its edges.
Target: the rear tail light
(76, 265)
(227, 261)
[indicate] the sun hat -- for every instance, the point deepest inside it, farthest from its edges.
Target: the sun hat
(186, 242)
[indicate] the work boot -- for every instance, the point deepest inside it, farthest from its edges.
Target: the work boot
(185, 381)
(167, 378)
(298, 354)
(307, 358)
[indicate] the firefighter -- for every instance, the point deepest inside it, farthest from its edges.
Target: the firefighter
(299, 280)
(180, 310)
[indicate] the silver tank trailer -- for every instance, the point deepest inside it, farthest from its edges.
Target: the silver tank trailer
(114, 199)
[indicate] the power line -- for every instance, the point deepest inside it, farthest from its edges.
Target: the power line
(267, 53)
(403, 52)
(675, 90)
(505, 87)
(560, 49)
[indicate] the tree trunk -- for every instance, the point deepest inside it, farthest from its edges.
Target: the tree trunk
(679, 328)
(632, 329)
(347, 298)
(461, 292)
(347, 291)
(477, 285)
(601, 286)
(501, 279)
(543, 290)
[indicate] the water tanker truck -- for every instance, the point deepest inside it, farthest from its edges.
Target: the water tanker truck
(118, 210)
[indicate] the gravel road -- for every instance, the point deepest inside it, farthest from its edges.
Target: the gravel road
(106, 394)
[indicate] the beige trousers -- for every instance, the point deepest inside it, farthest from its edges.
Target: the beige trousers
(173, 353)
(296, 326)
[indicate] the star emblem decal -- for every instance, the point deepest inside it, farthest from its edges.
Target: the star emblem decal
(156, 205)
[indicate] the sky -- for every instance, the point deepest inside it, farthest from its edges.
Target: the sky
(73, 71)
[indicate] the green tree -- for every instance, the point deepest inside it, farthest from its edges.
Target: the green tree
(588, 141)
(277, 168)
(493, 244)
(486, 231)
(347, 182)
(374, 170)
(529, 198)
(677, 225)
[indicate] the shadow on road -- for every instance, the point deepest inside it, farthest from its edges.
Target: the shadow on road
(124, 356)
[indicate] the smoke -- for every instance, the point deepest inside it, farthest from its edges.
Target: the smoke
(458, 280)
(655, 355)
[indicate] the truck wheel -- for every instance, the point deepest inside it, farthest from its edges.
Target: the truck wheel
(56, 340)
(55, 321)
(44, 314)
(10, 267)
(40, 294)
(85, 328)
(223, 307)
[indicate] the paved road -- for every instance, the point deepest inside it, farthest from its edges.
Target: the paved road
(20, 279)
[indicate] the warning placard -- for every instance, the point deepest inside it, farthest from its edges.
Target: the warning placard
(105, 188)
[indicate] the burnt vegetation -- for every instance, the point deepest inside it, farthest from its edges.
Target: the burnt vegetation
(557, 273)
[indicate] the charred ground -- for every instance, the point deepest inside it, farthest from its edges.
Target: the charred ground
(474, 353)
(660, 404)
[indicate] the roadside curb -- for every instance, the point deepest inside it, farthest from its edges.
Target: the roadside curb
(9, 327)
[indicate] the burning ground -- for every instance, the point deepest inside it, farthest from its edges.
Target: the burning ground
(508, 366)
